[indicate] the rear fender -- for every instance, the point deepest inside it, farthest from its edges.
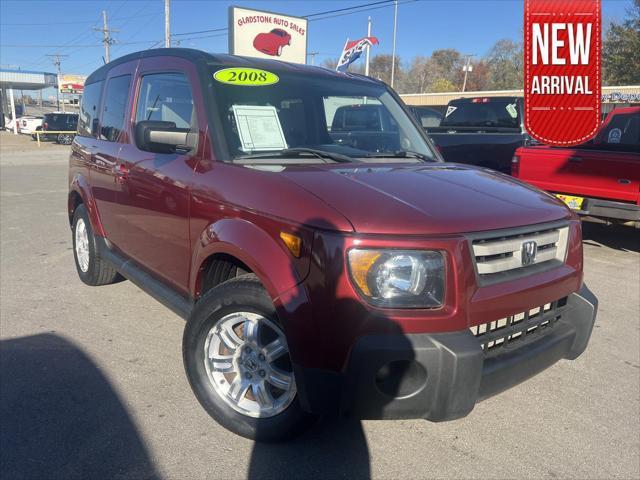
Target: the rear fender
(80, 186)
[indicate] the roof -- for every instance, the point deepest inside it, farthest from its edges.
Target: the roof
(225, 60)
(26, 79)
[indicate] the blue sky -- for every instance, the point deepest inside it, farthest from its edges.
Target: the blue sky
(66, 27)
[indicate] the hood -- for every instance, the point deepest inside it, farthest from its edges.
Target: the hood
(427, 199)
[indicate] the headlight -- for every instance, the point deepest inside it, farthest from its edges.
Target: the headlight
(399, 278)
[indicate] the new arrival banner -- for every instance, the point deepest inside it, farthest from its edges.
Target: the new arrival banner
(562, 70)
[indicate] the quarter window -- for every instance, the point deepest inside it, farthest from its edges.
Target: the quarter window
(88, 120)
(115, 104)
(166, 97)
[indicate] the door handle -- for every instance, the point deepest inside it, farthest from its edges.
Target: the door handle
(575, 159)
(624, 181)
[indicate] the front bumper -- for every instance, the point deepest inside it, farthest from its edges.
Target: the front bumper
(440, 376)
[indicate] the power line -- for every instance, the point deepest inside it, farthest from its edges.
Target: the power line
(57, 23)
(338, 13)
(201, 31)
(400, 2)
(345, 9)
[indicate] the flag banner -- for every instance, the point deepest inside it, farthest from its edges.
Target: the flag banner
(562, 74)
(352, 51)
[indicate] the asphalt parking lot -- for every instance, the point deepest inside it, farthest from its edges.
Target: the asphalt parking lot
(92, 383)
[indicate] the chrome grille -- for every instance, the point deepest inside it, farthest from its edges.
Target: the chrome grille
(518, 329)
(497, 254)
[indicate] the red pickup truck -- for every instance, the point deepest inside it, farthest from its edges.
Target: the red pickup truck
(600, 178)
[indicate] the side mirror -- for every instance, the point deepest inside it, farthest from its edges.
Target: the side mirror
(164, 137)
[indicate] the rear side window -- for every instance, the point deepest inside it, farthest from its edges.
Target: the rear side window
(166, 97)
(115, 104)
(624, 129)
(88, 120)
(362, 119)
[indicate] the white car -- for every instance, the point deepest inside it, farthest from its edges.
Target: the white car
(8, 124)
(28, 123)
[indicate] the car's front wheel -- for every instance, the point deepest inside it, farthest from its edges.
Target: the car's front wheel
(237, 360)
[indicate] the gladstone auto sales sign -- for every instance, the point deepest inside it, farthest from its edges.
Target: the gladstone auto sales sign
(255, 33)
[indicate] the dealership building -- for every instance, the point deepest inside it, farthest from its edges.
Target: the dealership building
(612, 97)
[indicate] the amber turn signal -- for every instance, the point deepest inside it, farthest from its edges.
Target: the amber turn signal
(361, 262)
(293, 243)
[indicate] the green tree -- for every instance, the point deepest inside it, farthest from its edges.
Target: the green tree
(621, 50)
(506, 65)
(446, 64)
(440, 85)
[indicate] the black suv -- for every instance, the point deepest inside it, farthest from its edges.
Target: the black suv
(60, 122)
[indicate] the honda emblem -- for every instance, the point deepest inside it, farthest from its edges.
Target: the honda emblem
(529, 251)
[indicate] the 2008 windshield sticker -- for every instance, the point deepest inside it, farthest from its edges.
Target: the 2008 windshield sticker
(246, 77)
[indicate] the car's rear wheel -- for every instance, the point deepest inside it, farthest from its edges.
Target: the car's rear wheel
(237, 361)
(92, 269)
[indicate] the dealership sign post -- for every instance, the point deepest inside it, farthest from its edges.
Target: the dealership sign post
(255, 33)
(562, 70)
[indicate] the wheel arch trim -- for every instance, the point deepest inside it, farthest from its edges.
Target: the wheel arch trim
(252, 246)
(79, 187)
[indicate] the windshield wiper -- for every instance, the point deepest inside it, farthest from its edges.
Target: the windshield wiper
(400, 154)
(297, 151)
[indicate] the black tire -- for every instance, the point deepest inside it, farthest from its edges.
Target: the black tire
(99, 271)
(243, 293)
(65, 138)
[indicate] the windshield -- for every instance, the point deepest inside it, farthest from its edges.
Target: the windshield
(316, 115)
(493, 113)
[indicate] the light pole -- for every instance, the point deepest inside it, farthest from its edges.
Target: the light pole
(366, 67)
(167, 30)
(313, 57)
(395, 27)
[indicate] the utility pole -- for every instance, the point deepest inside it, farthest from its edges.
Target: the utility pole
(106, 36)
(57, 63)
(167, 31)
(395, 27)
(467, 67)
(366, 67)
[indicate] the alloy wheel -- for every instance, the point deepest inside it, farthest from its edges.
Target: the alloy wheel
(247, 362)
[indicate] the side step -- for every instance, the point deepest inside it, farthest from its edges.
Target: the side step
(129, 269)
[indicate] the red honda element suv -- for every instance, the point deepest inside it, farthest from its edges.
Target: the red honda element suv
(319, 272)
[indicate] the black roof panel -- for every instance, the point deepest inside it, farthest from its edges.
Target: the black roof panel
(224, 60)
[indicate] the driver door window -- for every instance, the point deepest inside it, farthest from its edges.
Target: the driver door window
(166, 97)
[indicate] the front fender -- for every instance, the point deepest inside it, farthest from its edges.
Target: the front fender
(80, 186)
(260, 250)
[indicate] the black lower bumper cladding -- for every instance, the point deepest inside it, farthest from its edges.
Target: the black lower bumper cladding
(442, 376)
